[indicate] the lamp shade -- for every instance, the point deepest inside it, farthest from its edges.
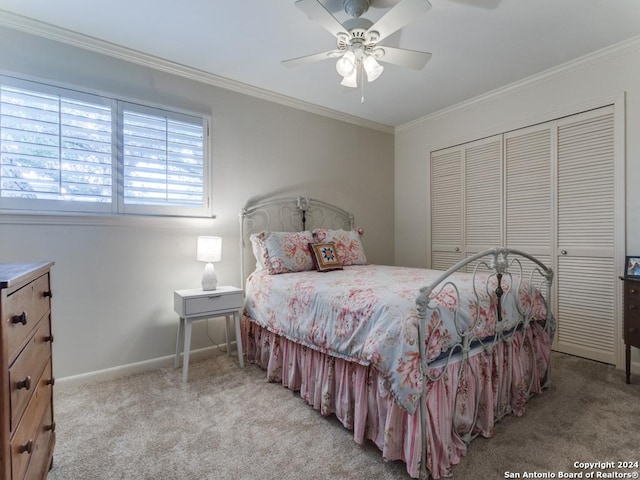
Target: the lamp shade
(372, 67)
(209, 249)
(351, 80)
(346, 64)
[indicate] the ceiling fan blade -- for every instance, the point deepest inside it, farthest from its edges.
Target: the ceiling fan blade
(383, 3)
(396, 18)
(318, 12)
(404, 58)
(316, 57)
(488, 4)
(334, 5)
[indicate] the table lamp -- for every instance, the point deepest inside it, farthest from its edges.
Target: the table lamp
(209, 251)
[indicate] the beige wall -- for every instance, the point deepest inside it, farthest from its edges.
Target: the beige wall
(113, 279)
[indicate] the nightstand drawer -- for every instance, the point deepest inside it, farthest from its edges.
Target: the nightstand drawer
(632, 315)
(632, 291)
(632, 336)
(632, 324)
(213, 303)
(633, 311)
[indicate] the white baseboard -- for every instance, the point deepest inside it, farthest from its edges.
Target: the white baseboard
(132, 368)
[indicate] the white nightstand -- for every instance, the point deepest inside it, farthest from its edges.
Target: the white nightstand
(198, 304)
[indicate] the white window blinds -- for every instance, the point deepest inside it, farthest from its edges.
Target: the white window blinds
(163, 159)
(62, 150)
(54, 148)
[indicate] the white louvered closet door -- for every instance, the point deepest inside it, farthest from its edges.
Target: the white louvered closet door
(586, 235)
(446, 208)
(483, 196)
(529, 191)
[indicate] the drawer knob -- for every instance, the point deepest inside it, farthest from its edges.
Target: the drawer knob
(563, 252)
(51, 381)
(26, 384)
(26, 447)
(22, 318)
(51, 427)
(48, 338)
(48, 294)
(633, 290)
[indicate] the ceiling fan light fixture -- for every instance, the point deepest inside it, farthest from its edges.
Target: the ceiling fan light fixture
(346, 64)
(372, 67)
(357, 37)
(350, 80)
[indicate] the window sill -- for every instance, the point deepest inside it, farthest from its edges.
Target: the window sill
(103, 220)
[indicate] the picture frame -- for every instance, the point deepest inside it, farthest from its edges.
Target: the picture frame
(632, 266)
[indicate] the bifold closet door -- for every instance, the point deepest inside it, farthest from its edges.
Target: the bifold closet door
(483, 218)
(586, 235)
(446, 208)
(529, 191)
(466, 201)
(548, 190)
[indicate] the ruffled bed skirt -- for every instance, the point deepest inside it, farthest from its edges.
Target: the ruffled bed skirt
(498, 381)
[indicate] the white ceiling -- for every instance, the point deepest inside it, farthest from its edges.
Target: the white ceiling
(477, 45)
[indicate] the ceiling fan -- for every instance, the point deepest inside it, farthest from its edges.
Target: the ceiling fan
(358, 50)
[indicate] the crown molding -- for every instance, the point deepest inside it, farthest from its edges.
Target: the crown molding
(585, 61)
(59, 34)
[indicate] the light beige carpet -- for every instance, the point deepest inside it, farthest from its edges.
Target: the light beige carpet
(228, 423)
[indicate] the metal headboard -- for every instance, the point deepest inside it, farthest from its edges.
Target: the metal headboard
(286, 214)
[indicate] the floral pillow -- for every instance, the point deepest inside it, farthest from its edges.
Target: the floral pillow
(259, 251)
(325, 257)
(348, 244)
(286, 252)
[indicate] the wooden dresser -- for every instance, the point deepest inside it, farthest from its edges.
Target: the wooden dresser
(27, 429)
(631, 327)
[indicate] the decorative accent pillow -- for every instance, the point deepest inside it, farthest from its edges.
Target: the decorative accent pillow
(286, 252)
(348, 244)
(325, 256)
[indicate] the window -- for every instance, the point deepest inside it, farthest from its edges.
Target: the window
(62, 150)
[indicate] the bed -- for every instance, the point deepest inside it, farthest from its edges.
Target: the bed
(420, 362)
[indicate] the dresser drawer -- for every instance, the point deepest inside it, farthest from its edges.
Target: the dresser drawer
(28, 368)
(43, 447)
(22, 311)
(25, 440)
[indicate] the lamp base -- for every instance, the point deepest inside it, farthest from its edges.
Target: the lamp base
(209, 278)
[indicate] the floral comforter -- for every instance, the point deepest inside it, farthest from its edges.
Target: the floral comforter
(367, 314)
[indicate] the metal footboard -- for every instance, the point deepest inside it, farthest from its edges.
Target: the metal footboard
(495, 273)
